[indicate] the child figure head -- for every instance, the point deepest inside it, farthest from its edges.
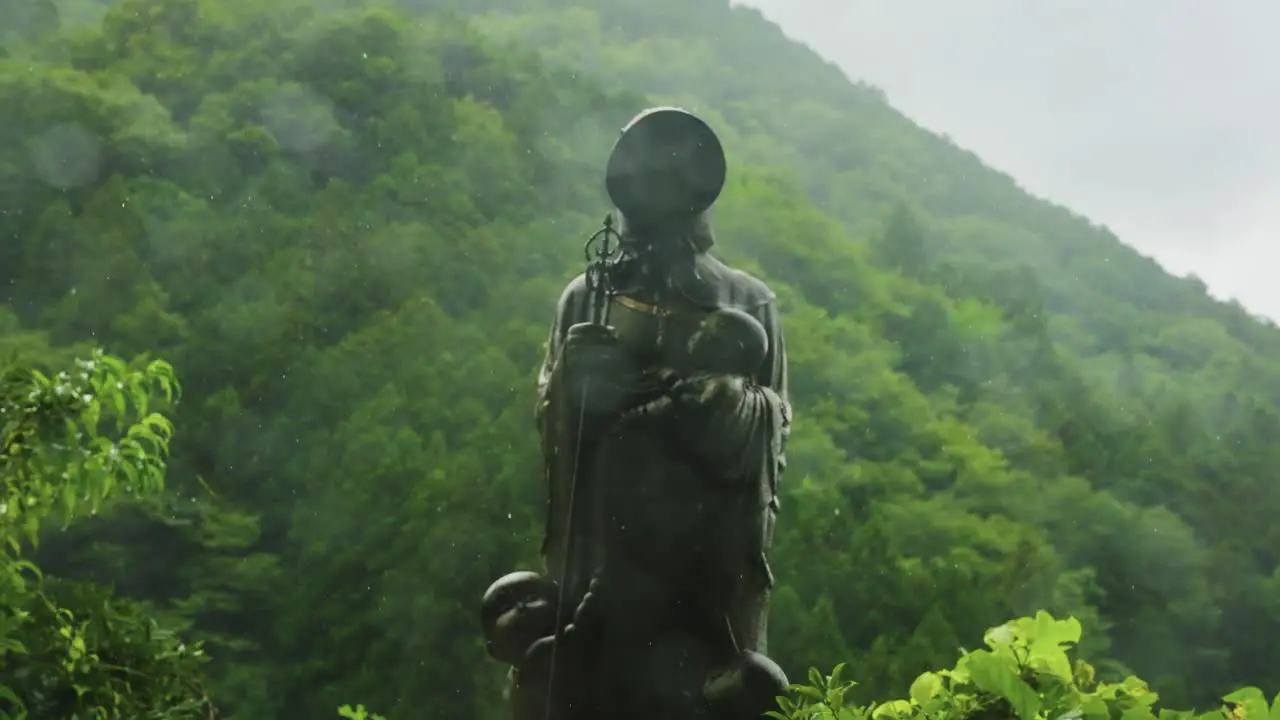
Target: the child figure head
(729, 342)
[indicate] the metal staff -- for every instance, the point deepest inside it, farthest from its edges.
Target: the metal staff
(599, 252)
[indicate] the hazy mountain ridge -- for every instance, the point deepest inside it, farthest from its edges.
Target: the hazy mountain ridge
(856, 155)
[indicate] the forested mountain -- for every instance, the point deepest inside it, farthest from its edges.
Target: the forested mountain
(345, 225)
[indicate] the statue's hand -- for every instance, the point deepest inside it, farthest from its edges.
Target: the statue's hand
(589, 348)
(717, 416)
(717, 394)
(592, 358)
(586, 617)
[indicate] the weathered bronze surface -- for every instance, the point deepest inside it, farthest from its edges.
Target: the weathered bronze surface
(663, 438)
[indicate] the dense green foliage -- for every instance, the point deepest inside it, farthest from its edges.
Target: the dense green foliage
(1027, 673)
(346, 224)
(72, 443)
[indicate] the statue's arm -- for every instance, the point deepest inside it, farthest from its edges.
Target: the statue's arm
(550, 359)
(569, 310)
(739, 425)
(767, 400)
(773, 375)
(549, 416)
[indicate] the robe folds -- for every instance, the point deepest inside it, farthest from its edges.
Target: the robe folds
(663, 522)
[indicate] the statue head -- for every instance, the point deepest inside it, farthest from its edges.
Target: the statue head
(665, 171)
(729, 341)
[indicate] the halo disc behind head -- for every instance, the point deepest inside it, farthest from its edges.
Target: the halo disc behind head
(668, 164)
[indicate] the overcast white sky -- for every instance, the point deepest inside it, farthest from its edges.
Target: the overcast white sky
(1158, 118)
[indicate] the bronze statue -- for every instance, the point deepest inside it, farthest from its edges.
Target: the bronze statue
(663, 414)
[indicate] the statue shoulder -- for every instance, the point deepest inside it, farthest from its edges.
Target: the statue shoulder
(574, 302)
(575, 287)
(720, 285)
(752, 290)
(573, 295)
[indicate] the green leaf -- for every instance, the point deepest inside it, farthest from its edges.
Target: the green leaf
(836, 673)
(68, 498)
(1252, 704)
(925, 688)
(810, 692)
(1140, 712)
(7, 693)
(892, 709)
(1245, 695)
(1056, 632)
(118, 402)
(995, 675)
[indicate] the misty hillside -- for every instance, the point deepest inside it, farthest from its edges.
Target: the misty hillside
(345, 224)
(855, 155)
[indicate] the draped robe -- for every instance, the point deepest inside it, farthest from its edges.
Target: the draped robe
(672, 515)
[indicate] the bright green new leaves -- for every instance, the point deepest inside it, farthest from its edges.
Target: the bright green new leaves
(357, 713)
(75, 442)
(1251, 704)
(1028, 673)
(72, 440)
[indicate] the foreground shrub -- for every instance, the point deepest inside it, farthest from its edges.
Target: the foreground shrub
(74, 443)
(1027, 673)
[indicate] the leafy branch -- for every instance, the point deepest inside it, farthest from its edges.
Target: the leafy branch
(74, 441)
(1027, 672)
